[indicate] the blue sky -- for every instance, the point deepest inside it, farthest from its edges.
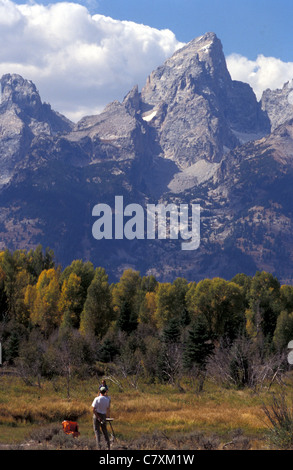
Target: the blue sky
(85, 53)
(248, 27)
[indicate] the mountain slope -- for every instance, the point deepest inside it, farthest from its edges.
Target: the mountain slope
(23, 117)
(197, 109)
(191, 135)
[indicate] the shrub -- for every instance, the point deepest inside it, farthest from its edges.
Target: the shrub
(45, 433)
(280, 416)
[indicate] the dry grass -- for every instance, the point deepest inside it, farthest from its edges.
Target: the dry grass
(147, 413)
(138, 415)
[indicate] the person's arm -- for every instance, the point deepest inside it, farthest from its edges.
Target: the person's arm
(95, 412)
(108, 410)
(94, 408)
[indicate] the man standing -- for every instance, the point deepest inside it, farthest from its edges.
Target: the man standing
(101, 411)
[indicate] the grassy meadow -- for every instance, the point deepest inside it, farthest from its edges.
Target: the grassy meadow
(149, 417)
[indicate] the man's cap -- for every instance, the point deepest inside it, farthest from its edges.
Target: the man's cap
(103, 389)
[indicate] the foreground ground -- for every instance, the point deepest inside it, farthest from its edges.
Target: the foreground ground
(149, 417)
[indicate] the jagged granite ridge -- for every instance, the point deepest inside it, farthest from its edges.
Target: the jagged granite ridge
(191, 135)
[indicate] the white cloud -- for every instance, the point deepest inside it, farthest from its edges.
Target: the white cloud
(79, 62)
(262, 73)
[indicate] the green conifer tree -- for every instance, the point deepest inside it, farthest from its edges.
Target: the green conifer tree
(198, 345)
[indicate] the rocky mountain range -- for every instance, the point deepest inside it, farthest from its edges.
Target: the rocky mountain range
(192, 135)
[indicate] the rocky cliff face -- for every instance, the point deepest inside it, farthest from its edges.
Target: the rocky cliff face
(191, 135)
(116, 134)
(21, 97)
(23, 117)
(198, 111)
(278, 104)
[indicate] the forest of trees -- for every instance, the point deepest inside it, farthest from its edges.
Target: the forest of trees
(56, 321)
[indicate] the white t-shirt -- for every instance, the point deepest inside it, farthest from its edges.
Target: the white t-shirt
(101, 404)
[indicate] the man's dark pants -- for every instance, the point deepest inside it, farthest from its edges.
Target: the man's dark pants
(100, 424)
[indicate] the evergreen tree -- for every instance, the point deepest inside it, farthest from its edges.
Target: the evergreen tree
(127, 320)
(12, 335)
(172, 331)
(198, 346)
(108, 351)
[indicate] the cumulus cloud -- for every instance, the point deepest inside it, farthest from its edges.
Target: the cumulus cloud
(78, 61)
(262, 73)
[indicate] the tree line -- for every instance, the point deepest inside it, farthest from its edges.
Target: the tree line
(56, 321)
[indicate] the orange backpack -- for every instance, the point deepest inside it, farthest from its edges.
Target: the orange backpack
(70, 427)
